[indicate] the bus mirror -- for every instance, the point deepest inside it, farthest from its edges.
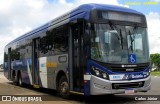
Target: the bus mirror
(86, 39)
(107, 37)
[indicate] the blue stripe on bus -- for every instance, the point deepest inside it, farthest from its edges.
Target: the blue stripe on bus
(22, 66)
(93, 63)
(87, 88)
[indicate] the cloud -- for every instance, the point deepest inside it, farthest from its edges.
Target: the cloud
(79, 2)
(115, 2)
(21, 16)
(153, 21)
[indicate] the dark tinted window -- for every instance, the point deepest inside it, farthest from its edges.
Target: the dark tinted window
(54, 42)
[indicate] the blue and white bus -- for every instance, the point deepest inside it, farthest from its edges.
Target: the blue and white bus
(94, 49)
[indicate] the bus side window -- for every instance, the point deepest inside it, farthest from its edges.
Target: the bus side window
(55, 42)
(61, 40)
(5, 59)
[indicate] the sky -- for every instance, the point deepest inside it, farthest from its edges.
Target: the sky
(21, 16)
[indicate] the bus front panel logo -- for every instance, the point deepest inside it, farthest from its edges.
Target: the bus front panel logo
(132, 58)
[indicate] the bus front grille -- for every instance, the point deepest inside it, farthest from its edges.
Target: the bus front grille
(127, 85)
(129, 69)
(119, 68)
(126, 68)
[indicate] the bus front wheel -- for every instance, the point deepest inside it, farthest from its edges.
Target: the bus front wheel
(63, 87)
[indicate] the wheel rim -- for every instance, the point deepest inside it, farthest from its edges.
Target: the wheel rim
(63, 88)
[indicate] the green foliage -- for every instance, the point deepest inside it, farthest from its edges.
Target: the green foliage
(155, 59)
(155, 73)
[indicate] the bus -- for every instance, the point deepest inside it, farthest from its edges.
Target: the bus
(94, 49)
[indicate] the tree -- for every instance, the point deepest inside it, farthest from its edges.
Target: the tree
(155, 59)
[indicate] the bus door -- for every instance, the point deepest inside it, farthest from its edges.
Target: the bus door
(9, 63)
(77, 32)
(35, 62)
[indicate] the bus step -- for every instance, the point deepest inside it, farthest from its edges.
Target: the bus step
(36, 86)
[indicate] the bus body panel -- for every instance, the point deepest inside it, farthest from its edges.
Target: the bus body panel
(100, 86)
(49, 68)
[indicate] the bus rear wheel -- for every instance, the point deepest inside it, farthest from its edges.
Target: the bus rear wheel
(19, 80)
(14, 79)
(63, 88)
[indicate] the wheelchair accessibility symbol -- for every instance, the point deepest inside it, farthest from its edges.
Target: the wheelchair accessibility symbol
(132, 58)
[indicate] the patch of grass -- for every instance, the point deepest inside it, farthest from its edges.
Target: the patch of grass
(155, 73)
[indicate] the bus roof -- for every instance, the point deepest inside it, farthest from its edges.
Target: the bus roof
(89, 7)
(83, 11)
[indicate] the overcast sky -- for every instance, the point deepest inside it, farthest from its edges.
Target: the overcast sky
(20, 16)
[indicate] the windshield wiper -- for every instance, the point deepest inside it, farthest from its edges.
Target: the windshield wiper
(121, 38)
(131, 39)
(114, 27)
(134, 32)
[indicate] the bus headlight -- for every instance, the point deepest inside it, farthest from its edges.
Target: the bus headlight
(104, 75)
(146, 73)
(99, 73)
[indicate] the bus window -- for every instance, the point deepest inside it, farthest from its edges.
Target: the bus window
(55, 42)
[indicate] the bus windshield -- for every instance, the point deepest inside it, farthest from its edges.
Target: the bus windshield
(114, 43)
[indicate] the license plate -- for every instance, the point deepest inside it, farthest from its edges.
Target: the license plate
(129, 91)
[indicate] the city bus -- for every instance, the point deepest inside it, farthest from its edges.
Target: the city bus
(95, 49)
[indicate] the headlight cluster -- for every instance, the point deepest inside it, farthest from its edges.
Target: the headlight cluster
(146, 73)
(99, 73)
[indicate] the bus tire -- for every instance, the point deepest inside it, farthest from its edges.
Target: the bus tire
(63, 88)
(14, 79)
(19, 80)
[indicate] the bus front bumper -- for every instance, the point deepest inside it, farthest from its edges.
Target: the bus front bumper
(99, 86)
